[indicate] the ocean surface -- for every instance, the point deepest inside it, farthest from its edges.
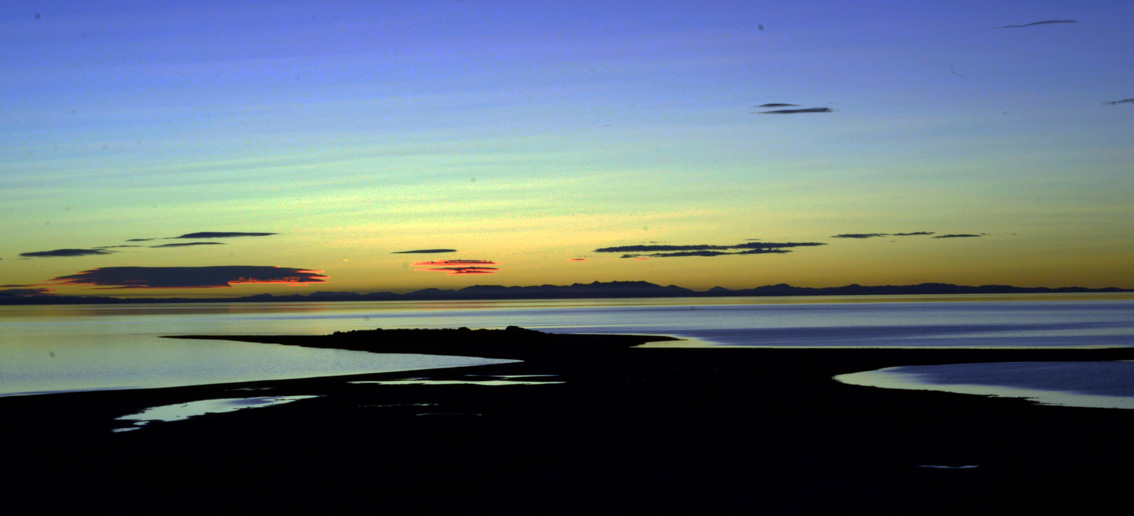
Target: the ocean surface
(45, 349)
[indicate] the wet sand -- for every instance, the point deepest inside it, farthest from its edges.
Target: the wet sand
(649, 430)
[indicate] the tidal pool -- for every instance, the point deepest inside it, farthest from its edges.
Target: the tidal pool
(1108, 384)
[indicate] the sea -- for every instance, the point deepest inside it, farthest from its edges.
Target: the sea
(65, 348)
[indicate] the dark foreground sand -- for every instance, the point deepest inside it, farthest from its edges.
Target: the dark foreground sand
(650, 431)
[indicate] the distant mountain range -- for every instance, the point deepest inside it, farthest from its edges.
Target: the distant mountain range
(609, 290)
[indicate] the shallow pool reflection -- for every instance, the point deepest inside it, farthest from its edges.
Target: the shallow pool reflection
(1069, 384)
(182, 411)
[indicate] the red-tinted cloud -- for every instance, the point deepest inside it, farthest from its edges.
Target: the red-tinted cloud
(458, 267)
(461, 271)
(189, 277)
(446, 263)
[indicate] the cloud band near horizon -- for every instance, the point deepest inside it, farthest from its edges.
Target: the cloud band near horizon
(458, 267)
(62, 253)
(189, 277)
(221, 234)
(704, 250)
(426, 251)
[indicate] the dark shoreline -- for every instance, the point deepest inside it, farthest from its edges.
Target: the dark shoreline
(649, 430)
(595, 290)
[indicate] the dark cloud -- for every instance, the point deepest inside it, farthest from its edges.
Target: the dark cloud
(23, 292)
(186, 244)
(768, 250)
(117, 246)
(704, 250)
(1117, 102)
(775, 104)
(576, 259)
(706, 254)
(878, 235)
(222, 234)
(1033, 24)
(189, 277)
(65, 253)
(140, 239)
(960, 235)
(426, 251)
(797, 111)
(860, 235)
(775, 245)
(662, 248)
(678, 254)
(702, 247)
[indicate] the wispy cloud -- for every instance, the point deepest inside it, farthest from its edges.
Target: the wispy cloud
(186, 244)
(23, 292)
(879, 235)
(189, 277)
(103, 249)
(705, 254)
(775, 104)
(221, 234)
(704, 250)
(1117, 102)
(426, 251)
(63, 253)
(797, 111)
(1033, 24)
(961, 235)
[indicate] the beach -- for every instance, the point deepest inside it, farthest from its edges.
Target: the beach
(580, 425)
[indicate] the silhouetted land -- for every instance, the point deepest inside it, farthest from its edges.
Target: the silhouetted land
(596, 290)
(630, 431)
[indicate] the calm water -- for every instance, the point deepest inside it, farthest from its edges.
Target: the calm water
(59, 348)
(1070, 384)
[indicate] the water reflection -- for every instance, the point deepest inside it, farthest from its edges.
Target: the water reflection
(1068, 384)
(63, 348)
(103, 362)
(487, 380)
(182, 411)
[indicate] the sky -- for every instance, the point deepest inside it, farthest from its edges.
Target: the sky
(233, 148)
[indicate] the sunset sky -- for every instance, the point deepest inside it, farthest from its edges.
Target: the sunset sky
(150, 148)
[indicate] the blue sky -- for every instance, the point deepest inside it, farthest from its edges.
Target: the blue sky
(530, 134)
